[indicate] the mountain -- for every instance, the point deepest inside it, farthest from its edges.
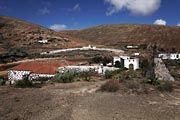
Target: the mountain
(119, 35)
(25, 36)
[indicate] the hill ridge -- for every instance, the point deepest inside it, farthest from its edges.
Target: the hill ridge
(16, 33)
(117, 35)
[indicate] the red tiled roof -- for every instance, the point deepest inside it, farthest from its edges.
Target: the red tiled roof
(41, 67)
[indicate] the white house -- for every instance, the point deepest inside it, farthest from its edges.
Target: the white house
(131, 61)
(43, 41)
(34, 70)
(127, 61)
(172, 56)
(88, 47)
(132, 47)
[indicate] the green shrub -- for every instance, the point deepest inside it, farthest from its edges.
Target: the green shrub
(118, 64)
(108, 74)
(42, 79)
(64, 78)
(144, 64)
(146, 80)
(110, 86)
(24, 83)
(86, 75)
(152, 80)
(165, 86)
(2, 81)
(101, 59)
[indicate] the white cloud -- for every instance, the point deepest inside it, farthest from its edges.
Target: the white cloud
(160, 22)
(76, 7)
(178, 24)
(58, 27)
(136, 7)
(44, 11)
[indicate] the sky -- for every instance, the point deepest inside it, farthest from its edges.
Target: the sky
(78, 14)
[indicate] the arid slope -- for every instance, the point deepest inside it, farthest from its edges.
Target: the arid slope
(117, 35)
(15, 33)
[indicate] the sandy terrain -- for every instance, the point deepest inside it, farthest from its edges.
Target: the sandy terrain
(80, 101)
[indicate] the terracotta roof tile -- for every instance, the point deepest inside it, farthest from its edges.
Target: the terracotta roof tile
(41, 67)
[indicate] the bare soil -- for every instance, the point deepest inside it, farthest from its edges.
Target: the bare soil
(81, 101)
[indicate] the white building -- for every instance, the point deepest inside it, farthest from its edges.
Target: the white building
(43, 41)
(127, 61)
(172, 56)
(131, 61)
(99, 69)
(34, 70)
(88, 47)
(132, 47)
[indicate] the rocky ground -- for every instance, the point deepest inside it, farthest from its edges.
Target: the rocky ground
(81, 101)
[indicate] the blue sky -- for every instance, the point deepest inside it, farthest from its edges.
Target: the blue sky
(78, 14)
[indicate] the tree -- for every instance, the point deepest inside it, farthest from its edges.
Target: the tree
(144, 65)
(118, 64)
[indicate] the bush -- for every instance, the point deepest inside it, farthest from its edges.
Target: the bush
(152, 80)
(2, 81)
(144, 64)
(146, 80)
(66, 77)
(108, 74)
(110, 86)
(42, 79)
(86, 75)
(24, 83)
(165, 86)
(101, 59)
(118, 64)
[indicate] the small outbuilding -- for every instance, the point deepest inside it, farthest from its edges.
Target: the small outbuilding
(127, 61)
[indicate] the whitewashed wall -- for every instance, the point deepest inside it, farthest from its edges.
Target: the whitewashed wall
(35, 76)
(99, 69)
(134, 62)
(116, 58)
(172, 56)
(14, 75)
(102, 70)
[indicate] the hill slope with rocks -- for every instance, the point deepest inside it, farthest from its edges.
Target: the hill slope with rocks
(118, 35)
(18, 34)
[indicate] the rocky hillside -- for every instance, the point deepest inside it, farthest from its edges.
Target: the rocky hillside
(18, 34)
(118, 35)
